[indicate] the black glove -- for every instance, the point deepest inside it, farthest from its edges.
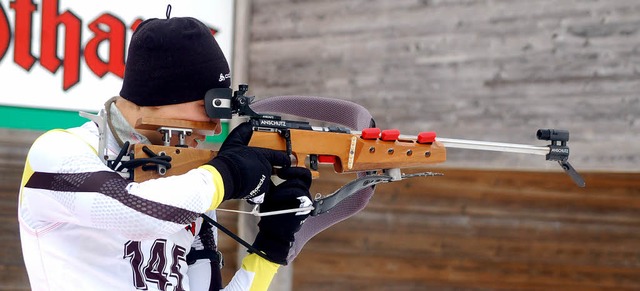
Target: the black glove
(246, 170)
(276, 234)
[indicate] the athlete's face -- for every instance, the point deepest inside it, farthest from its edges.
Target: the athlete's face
(192, 111)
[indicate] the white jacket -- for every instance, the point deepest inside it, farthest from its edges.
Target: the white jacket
(84, 227)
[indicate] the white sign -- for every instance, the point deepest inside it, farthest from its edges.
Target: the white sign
(69, 54)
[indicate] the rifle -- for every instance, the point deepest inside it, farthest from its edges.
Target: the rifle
(377, 155)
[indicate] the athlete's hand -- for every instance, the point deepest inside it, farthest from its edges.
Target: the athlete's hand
(276, 234)
(246, 170)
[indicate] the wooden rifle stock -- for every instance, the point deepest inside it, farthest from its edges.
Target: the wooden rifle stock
(348, 152)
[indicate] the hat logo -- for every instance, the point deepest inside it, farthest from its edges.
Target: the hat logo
(224, 77)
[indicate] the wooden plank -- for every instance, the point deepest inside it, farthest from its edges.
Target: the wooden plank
(464, 273)
(483, 230)
(493, 70)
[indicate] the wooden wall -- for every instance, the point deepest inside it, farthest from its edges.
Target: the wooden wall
(483, 230)
(477, 69)
(13, 151)
(491, 70)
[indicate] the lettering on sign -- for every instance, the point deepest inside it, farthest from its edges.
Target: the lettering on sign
(106, 29)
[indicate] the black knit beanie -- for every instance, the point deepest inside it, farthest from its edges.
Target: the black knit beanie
(173, 61)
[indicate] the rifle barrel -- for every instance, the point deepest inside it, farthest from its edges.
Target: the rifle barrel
(494, 146)
(483, 145)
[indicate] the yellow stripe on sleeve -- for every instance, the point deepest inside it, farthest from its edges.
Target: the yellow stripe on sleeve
(28, 171)
(218, 183)
(26, 175)
(263, 269)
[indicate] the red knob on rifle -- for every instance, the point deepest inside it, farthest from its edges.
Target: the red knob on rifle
(390, 134)
(427, 137)
(370, 133)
